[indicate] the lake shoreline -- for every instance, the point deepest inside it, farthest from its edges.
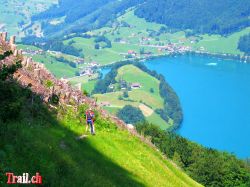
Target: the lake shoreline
(241, 59)
(191, 53)
(206, 87)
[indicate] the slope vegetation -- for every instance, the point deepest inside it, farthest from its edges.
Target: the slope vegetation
(37, 142)
(37, 138)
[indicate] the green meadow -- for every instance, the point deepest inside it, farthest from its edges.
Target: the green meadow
(220, 44)
(132, 74)
(58, 68)
(142, 98)
(87, 82)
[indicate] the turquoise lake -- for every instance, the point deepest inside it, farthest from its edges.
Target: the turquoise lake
(215, 98)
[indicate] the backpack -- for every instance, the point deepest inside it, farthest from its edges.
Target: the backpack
(89, 115)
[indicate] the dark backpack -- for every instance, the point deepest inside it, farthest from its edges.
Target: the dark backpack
(89, 116)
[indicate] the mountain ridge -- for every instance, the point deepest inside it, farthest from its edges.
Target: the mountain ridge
(199, 16)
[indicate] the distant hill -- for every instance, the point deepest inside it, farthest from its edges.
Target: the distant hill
(200, 16)
(80, 16)
(203, 16)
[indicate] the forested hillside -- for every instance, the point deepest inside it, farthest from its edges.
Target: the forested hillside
(202, 16)
(213, 17)
(81, 16)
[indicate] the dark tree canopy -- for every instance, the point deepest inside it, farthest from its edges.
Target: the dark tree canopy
(130, 114)
(203, 16)
(244, 44)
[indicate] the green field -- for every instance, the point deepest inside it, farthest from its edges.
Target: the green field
(220, 44)
(133, 74)
(58, 68)
(137, 97)
(87, 83)
(103, 56)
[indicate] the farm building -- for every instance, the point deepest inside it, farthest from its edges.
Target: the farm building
(135, 85)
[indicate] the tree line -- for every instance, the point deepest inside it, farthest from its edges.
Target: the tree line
(207, 166)
(202, 16)
(102, 39)
(244, 44)
(53, 45)
(65, 61)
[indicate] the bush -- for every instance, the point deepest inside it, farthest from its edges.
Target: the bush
(97, 46)
(8, 71)
(125, 94)
(12, 98)
(54, 99)
(103, 39)
(48, 84)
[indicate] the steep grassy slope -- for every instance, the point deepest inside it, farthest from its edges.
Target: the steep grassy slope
(37, 142)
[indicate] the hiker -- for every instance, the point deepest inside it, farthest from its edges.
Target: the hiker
(90, 121)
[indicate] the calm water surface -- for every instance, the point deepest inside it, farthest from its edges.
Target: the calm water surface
(215, 97)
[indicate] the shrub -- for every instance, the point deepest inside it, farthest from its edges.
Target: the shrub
(12, 98)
